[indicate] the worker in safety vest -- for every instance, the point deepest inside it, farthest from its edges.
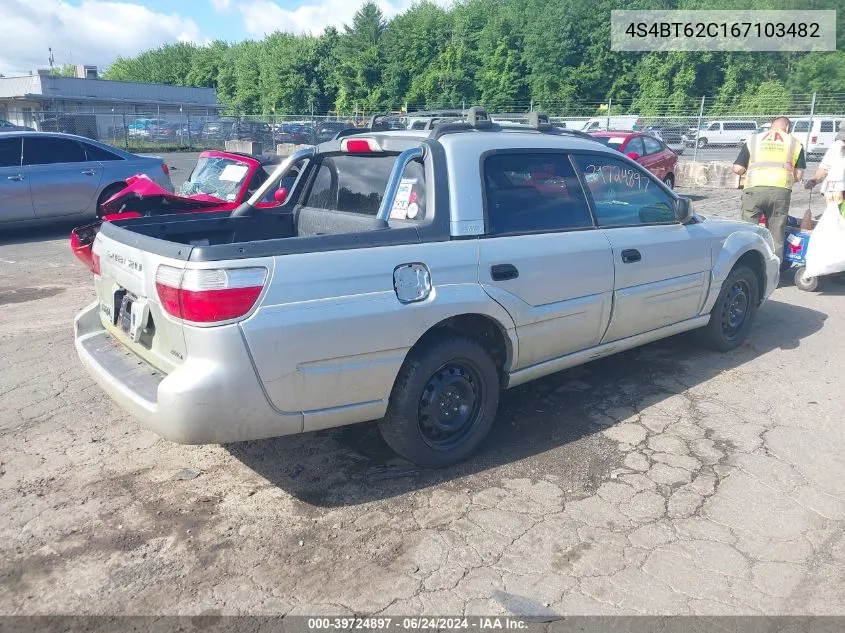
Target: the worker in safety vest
(772, 162)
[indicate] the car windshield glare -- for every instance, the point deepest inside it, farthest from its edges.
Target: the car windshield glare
(216, 176)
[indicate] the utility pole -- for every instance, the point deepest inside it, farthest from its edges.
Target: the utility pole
(810, 127)
(609, 106)
(51, 59)
(697, 131)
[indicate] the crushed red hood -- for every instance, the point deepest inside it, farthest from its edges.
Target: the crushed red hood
(142, 194)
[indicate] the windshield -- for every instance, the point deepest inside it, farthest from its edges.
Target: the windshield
(614, 142)
(216, 176)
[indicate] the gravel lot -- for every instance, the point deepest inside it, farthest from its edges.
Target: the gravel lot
(665, 480)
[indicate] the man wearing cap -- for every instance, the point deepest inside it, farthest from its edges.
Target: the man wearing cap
(772, 161)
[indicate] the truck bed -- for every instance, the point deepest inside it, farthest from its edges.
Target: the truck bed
(219, 236)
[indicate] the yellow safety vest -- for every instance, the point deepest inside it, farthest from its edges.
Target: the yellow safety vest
(772, 157)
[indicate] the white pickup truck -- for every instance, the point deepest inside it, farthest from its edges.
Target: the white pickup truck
(407, 277)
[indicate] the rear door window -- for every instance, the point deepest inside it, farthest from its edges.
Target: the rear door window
(827, 126)
(92, 152)
(635, 145)
(532, 193)
(652, 146)
(45, 150)
(10, 152)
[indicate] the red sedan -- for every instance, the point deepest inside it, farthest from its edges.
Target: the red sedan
(220, 182)
(646, 150)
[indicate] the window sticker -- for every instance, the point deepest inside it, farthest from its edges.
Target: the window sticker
(402, 201)
(233, 173)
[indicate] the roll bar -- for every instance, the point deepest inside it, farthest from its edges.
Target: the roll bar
(248, 207)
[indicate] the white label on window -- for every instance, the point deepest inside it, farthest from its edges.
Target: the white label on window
(616, 139)
(233, 173)
(399, 211)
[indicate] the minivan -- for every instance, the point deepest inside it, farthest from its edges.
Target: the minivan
(822, 133)
(725, 133)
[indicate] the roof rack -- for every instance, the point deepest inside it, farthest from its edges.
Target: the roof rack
(478, 119)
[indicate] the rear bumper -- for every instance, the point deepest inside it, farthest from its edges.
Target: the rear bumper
(772, 275)
(204, 401)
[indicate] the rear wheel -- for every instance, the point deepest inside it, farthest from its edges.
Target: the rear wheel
(443, 402)
(669, 181)
(108, 192)
(805, 282)
(702, 143)
(734, 312)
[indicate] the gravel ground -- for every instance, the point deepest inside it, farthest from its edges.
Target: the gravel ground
(664, 480)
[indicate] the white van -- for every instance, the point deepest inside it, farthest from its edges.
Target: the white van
(725, 133)
(822, 133)
(620, 123)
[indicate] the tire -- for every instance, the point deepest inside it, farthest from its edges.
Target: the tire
(456, 370)
(702, 143)
(803, 282)
(734, 312)
(108, 192)
(669, 181)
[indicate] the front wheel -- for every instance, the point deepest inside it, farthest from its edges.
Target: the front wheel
(669, 181)
(702, 143)
(734, 312)
(805, 282)
(443, 402)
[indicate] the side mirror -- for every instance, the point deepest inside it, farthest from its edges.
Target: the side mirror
(280, 194)
(632, 155)
(683, 210)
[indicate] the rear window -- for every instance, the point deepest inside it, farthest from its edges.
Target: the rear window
(614, 142)
(827, 126)
(801, 126)
(356, 184)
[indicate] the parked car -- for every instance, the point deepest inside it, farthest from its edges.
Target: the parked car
(220, 181)
(723, 133)
(646, 150)
(217, 132)
(822, 133)
(141, 127)
(407, 277)
(47, 176)
(673, 136)
(165, 133)
(8, 126)
(190, 131)
(296, 133)
(327, 130)
(617, 122)
(79, 124)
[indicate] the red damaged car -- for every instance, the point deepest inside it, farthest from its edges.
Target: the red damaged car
(220, 182)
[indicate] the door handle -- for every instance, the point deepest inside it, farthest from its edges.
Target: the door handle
(17, 178)
(88, 172)
(502, 272)
(631, 255)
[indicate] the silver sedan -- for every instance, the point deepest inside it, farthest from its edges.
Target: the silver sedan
(47, 176)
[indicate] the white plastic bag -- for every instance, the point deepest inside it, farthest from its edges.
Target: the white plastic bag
(826, 250)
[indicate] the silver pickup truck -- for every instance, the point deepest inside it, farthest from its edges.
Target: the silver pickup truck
(407, 277)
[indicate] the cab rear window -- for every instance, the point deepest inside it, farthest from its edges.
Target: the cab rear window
(356, 184)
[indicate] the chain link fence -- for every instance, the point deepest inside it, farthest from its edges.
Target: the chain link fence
(702, 130)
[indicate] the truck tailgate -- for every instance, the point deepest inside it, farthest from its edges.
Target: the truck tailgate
(130, 308)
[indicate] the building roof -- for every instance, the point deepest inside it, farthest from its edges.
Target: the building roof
(40, 87)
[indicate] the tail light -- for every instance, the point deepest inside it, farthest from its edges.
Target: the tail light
(359, 145)
(209, 295)
(95, 263)
(165, 168)
(814, 139)
(763, 222)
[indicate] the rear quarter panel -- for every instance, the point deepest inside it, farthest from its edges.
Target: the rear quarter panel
(330, 331)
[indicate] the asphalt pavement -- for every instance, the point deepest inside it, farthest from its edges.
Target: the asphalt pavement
(664, 480)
